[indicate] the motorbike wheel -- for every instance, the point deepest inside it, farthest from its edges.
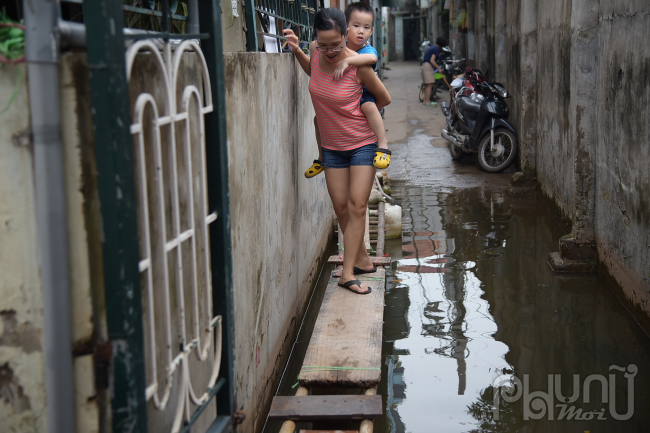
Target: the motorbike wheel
(503, 154)
(422, 87)
(456, 153)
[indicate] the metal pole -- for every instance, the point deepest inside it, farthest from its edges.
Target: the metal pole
(193, 19)
(42, 55)
(219, 200)
(251, 31)
(109, 93)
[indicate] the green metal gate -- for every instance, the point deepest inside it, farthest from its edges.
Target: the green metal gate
(147, 254)
(267, 18)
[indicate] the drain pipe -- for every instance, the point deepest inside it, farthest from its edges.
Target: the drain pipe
(193, 19)
(42, 55)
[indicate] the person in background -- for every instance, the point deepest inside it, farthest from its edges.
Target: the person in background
(430, 68)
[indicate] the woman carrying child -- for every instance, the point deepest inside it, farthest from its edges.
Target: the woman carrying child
(349, 145)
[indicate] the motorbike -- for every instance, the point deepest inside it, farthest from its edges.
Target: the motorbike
(443, 59)
(477, 122)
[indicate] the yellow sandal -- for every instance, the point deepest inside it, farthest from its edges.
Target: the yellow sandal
(315, 169)
(382, 158)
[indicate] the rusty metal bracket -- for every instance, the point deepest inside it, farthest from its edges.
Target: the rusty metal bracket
(238, 417)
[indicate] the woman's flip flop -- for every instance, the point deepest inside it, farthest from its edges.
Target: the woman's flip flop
(348, 285)
(358, 271)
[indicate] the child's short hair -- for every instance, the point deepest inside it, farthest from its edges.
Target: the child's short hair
(359, 7)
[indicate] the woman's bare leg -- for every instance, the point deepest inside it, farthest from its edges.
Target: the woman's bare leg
(359, 185)
(339, 185)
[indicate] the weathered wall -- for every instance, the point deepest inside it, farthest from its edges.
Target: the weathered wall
(22, 363)
(22, 373)
(580, 95)
(233, 34)
(622, 156)
(88, 322)
(280, 219)
(554, 141)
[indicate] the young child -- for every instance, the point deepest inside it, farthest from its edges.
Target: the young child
(361, 20)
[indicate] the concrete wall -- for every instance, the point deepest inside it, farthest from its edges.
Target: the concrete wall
(233, 35)
(580, 103)
(22, 363)
(280, 220)
(622, 157)
(84, 240)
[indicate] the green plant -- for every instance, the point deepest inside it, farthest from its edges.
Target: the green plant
(12, 39)
(460, 19)
(12, 48)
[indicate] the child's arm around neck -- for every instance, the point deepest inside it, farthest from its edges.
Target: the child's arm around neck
(362, 60)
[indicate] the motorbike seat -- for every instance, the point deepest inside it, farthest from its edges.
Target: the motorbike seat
(466, 104)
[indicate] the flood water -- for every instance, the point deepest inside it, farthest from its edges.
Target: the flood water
(472, 303)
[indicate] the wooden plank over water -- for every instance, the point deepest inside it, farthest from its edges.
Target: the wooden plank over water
(380, 260)
(326, 407)
(329, 431)
(345, 347)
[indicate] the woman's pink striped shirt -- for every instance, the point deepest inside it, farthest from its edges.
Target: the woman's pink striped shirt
(341, 123)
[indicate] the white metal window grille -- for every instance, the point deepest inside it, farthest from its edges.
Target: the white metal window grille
(173, 221)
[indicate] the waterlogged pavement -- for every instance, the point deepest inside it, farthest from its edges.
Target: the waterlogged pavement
(471, 302)
(471, 305)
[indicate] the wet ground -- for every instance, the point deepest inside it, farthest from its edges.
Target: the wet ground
(471, 304)
(413, 132)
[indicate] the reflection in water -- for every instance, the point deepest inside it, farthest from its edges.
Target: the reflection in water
(472, 299)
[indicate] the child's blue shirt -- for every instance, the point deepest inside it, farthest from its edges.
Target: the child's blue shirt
(369, 49)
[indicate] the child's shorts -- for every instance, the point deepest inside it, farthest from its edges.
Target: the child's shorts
(366, 96)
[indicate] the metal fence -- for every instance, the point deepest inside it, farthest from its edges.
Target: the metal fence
(166, 238)
(267, 19)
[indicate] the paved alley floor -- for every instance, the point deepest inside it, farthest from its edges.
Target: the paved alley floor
(413, 132)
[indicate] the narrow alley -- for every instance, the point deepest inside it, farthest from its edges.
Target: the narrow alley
(188, 188)
(472, 304)
(413, 131)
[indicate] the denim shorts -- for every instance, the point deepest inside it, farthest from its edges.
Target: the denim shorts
(344, 158)
(366, 96)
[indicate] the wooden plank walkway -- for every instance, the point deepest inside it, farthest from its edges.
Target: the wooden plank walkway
(345, 347)
(326, 407)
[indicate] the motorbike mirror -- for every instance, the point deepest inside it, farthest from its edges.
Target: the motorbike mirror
(501, 90)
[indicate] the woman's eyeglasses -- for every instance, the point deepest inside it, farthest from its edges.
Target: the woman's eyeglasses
(324, 50)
